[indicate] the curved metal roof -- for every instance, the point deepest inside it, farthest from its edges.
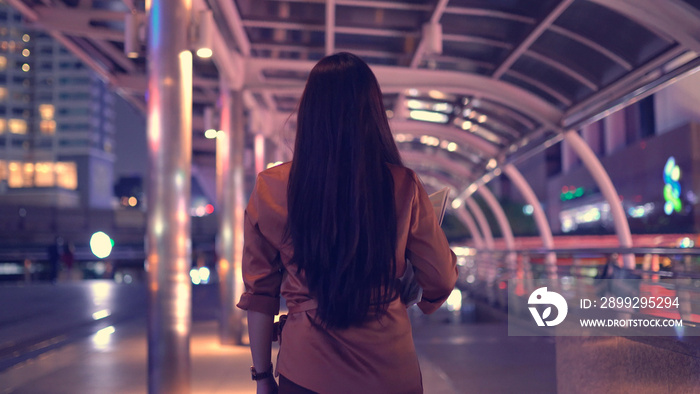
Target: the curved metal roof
(510, 76)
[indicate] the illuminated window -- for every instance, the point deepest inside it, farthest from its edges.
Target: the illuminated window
(18, 126)
(26, 38)
(48, 127)
(44, 175)
(3, 62)
(25, 67)
(66, 175)
(3, 170)
(3, 125)
(46, 111)
(25, 52)
(28, 173)
(14, 178)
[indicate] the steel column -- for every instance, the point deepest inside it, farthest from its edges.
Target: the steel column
(168, 243)
(237, 148)
(538, 213)
(602, 179)
(468, 221)
(481, 219)
(229, 150)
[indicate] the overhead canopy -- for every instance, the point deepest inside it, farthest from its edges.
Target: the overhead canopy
(510, 77)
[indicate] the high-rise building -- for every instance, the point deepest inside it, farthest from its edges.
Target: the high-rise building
(56, 123)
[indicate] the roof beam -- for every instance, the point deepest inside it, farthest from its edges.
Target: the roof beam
(671, 19)
(562, 68)
(234, 22)
(389, 5)
(469, 11)
(397, 79)
(476, 40)
(531, 38)
(593, 45)
(542, 86)
(263, 24)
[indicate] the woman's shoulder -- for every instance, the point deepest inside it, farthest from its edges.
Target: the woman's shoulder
(402, 174)
(278, 172)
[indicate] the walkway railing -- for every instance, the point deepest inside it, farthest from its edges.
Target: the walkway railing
(487, 275)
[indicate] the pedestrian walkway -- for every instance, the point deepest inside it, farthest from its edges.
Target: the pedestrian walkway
(114, 361)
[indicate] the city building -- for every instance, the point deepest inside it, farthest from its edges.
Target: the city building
(56, 123)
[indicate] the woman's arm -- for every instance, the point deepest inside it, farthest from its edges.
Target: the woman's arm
(260, 335)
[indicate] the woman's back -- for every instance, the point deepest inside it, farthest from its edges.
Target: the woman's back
(377, 356)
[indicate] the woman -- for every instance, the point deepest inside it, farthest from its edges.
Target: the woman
(331, 232)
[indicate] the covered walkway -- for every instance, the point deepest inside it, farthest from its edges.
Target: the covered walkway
(473, 89)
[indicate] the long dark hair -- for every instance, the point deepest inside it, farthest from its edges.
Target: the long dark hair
(342, 214)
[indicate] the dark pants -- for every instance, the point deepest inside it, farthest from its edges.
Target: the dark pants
(286, 386)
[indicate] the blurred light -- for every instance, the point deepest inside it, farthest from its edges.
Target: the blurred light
(204, 53)
(470, 278)
(209, 209)
(133, 201)
(482, 118)
(389, 113)
(403, 137)
(436, 94)
(428, 116)
(210, 134)
(195, 276)
(454, 301)
(429, 140)
(103, 337)
(415, 104)
(101, 314)
(413, 92)
(491, 164)
(686, 243)
(25, 67)
(456, 203)
(101, 245)
(274, 164)
(528, 209)
(204, 274)
(466, 125)
(26, 52)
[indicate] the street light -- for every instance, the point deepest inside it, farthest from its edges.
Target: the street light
(101, 244)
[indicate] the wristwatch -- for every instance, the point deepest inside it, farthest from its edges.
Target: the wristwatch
(255, 375)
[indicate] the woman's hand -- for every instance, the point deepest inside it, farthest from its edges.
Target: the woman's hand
(267, 386)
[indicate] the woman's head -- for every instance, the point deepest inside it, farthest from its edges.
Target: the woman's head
(342, 216)
(342, 109)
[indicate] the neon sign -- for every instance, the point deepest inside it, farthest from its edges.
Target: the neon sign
(672, 188)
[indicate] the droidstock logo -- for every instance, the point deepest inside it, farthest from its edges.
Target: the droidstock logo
(543, 297)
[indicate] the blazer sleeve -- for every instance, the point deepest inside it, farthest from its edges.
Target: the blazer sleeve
(261, 264)
(434, 262)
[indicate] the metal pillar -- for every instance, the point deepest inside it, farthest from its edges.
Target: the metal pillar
(468, 220)
(602, 179)
(481, 219)
(168, 243)
(503, 223)
(501, 218)
(231, 178)
(538, 213)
